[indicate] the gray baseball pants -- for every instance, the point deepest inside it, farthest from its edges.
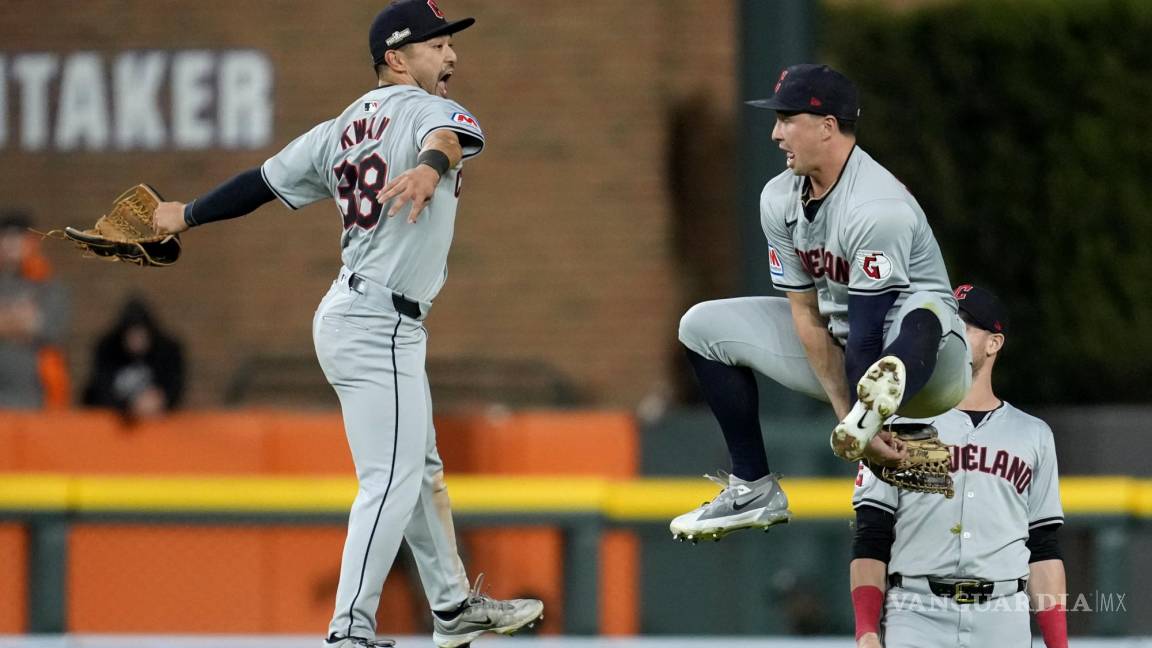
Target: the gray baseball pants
(758, 332)
(374, 358)
(916, 618)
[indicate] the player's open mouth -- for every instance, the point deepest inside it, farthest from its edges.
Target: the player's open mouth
(789, 157)
(442, 84)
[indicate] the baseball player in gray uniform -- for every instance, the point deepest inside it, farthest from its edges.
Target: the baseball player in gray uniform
(395, 151)
(960, 572)
(869, 305)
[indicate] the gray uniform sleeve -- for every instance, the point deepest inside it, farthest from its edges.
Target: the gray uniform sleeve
(871, 491)
(439, 114)
(296, 174)
(1044, 496)
(878, 241)
(787, 273)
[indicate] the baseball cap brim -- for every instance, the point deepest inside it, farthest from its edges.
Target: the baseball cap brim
(442, 30)
(772, 104)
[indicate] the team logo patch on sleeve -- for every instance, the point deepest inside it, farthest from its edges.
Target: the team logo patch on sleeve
(774, 264)
(466, 120)
(876, 265)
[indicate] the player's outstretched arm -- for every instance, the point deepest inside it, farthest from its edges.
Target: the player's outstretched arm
(441, 152)
(239, 195)
(825, 356)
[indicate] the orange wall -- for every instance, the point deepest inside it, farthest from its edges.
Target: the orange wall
(246, 578)
(13, 579)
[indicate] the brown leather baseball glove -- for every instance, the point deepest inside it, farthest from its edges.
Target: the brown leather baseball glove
(126, 232)
(926, 469)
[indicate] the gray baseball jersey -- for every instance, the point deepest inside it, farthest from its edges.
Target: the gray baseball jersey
(869, 236)
(350, 158)
(371, 342)
(1005, 473)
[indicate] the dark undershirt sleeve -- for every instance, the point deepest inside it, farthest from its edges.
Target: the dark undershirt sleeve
(875, 533)
(1044, 544)
(238, 196)
(866, 315)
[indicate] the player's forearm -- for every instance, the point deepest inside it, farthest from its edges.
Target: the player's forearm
(827, 360)
(1047, 593)
(446, 142)
(240, 195)
(866, 333)
(1046, 584)
(868, 571)
(824, 356)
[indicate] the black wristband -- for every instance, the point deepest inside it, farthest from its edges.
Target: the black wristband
(189, 219)
(438, 160)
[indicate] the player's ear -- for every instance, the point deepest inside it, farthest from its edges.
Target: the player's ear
(395, 61)
(829, 123)
(994, 343)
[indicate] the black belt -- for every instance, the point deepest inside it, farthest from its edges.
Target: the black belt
(961, 590)
(402, 304)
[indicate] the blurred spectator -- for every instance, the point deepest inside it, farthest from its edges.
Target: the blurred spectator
(33, 321)
(136, 368)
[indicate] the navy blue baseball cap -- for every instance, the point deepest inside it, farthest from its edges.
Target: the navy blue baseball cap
(409, 21)
(982, 308)
(816, 89)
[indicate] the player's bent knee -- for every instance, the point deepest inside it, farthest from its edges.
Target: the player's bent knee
(694, 327)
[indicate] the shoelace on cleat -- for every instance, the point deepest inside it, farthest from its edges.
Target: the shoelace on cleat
(477, 597)
(368, 643)
(721, 478)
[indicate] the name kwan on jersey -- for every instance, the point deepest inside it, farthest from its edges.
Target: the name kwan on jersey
(136, 100)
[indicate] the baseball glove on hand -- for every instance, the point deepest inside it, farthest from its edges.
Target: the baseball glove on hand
(926, 468)
(126, 233)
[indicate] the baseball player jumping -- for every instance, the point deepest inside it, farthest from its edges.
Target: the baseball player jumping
(956, 570)
(396, 151)
(869, 305)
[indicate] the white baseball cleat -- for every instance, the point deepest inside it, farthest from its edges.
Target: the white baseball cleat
(879, 392)
(741, 505)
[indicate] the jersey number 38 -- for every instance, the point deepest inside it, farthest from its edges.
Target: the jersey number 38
(356, 188)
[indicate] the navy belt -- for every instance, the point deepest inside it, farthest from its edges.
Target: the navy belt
(402, 304)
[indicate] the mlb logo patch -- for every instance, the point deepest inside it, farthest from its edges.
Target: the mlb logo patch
(371, 106)
(774, 264)
(465, 119)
